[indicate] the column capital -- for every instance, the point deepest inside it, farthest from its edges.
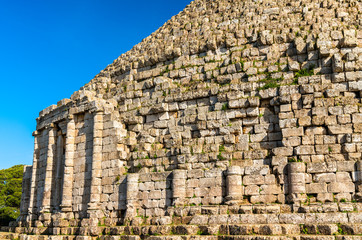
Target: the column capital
(234, 170)
(133, 177)
(179, 174)
(36, 133)
(297, 167)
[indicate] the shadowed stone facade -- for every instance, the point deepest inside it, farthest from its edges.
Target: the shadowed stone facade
(235, 118)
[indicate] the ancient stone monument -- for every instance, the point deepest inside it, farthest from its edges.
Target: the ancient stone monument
(235, 119)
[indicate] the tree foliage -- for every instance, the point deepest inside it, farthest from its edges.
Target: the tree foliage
(10, 193)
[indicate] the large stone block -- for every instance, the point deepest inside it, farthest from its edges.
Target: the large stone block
(293, 132)
(338, 187)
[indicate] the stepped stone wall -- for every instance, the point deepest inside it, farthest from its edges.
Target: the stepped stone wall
(233, 112)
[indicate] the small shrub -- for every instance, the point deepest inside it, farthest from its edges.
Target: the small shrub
(225, 107)
(269, 85)
(304, 229)
(340, 229)
(221, 148)
(303, 73)
(117, 178)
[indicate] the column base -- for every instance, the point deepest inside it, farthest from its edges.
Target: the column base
(297, 198)
(93, 206)
(66, 208)
(131, 211)
(179, 202)
(95, 213)
(234, 201)
(45, 209)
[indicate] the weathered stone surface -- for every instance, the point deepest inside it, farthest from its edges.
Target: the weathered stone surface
(232, 115)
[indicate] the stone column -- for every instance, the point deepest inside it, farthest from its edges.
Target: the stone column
(358, 195)
(26, 189)
(132, 194)
(33, 184)
(179, 187)
(94, 210)
(234, 188)
(296, 175)
(49, 169)
(67, 196)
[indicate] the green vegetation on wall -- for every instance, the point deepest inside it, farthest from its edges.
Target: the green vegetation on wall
(10, 193)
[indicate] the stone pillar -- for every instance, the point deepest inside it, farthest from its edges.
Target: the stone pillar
(67, 193)
(179, 187)
(94, 210)
(234, 188)
(296, 175)
(33, 184)
(49, 169)
(358, 195)
(26, 189)
(132, 195)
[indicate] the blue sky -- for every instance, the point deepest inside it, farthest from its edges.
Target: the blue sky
(49, 49)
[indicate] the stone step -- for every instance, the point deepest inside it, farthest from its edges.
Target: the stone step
(222, 229)
(194, 237)
(253, 237)
(227, 218)
(8, 235)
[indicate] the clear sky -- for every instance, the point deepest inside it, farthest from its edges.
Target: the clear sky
(49, 49)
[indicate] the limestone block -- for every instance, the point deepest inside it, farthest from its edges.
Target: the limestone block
(338, 187)
(305, 121)
(316, 188)
(344, 119)
(349, 38)
(340, 129)
(357, 118)
(293, 132)
(215, 173)
(263, 199)
(324, 177)
(354, 86)
(325, 197)
(297, 167)
(304, 150)
(261, 137)
(293, 65)
(262, 170)
(253, 179)
(270, 189)
(207, 182)
(270, 179)
(252, 190)
(343, 177)
(357, 127)
(283, 151)
(322, 167)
